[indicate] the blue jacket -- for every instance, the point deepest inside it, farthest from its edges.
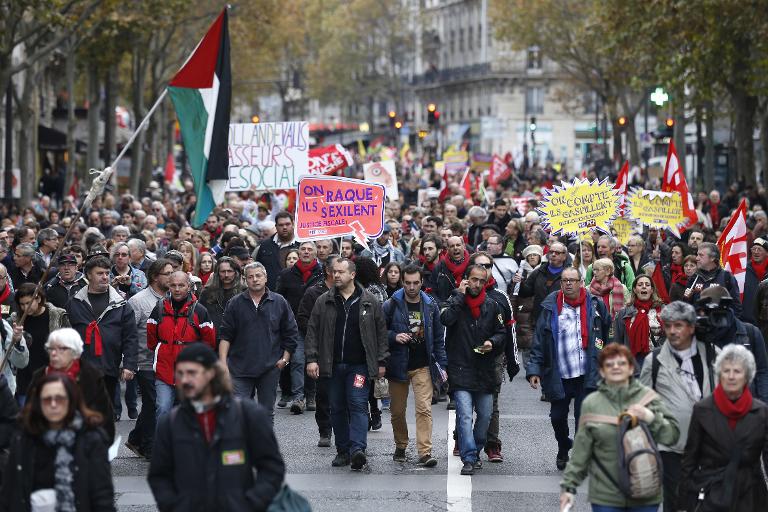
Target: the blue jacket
(543, 358)
(396, 315)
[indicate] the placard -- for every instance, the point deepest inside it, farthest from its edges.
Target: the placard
(579, 207)
(329, 207)
(663, 210)
(267, 156)
(385, 173)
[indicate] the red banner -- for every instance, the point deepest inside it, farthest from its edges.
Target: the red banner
(329, 160)
(499, 171)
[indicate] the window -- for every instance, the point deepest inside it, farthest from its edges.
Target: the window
(534, 57)
(534, 100)
(461, 39)
(479, 36)
(470, 39)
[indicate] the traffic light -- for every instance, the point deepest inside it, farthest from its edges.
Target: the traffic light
(533, 124)
(423, 133)
(392, 118)
(670, 122)
(432, 114)
(667, 130)
(398, 125)
(622, 122)
(255, 119)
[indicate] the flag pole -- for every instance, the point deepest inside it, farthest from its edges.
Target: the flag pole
(97, 187)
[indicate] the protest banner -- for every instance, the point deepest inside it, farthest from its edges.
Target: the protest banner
(623, 229)
(329, 207)
(267, 156)
(384, 173)
(578, 207)
(499, 171)
(329, 160)
(455, 161)
(663, 210)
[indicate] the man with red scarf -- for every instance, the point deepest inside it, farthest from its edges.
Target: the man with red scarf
(475, 336)
(431, 246)
(450, 271)
(291, 284)
(572, 328)
(756, 273)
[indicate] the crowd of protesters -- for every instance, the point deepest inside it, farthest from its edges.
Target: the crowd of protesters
(452, 299)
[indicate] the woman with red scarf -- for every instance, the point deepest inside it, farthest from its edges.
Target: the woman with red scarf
(674, 272)
(608, 287)
(721, 467)
(638, 326)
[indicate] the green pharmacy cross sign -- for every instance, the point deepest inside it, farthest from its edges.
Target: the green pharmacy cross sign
(659, 97)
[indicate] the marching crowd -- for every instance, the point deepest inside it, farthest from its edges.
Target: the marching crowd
(212, 328)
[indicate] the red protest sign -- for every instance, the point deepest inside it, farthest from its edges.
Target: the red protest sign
(329, 207)
(329, 160)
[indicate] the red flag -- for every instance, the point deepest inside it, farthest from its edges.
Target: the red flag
(621, 185)
(661, 287)
(466, 183)
(170, 168)
(733, 246)
(583, 174)
(73, 190)
(329, 160)
(499, 171)
(674, 181)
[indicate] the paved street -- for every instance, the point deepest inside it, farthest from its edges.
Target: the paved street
(527, 480)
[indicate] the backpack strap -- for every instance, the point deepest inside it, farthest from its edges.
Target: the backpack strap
(598, 418)
(655, 366)
(647, 398)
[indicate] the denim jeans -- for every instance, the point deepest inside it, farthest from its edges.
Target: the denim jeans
(558, 413)
(472, 440)
(348, 396)
(143, 433)
(606, 508)
(264, 387)
(131, 397)
(297, 371)
(165, 394)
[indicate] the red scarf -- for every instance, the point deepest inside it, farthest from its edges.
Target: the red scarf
(474, 303)
(759, 269)
(491, 284)
(612, 287)
(581, 303)
(204, 276)
(427, 265)
(733, 411)
(93, 332)
(72, 372)
(5, 294)
(457, 269)
(640, 330)
(678, 274)
(305, 269)
(207, 421)
(714, 214)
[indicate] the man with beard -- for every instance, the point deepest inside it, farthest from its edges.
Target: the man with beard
(450, 271)
(224, 284)
(227, 445)
(475, 336)
(709, 273)
(67, 282)
(272, 251)
(429, 258)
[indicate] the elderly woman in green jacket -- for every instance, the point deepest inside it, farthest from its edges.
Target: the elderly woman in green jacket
(617, 392)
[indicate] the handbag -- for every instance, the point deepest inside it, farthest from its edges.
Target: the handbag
(713, 490)
(288, 500)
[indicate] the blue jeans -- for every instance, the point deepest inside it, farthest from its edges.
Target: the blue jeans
(606, 508)
(131, 397)
(471, 441)
(166, 394)
(297, 371)
(348, 396)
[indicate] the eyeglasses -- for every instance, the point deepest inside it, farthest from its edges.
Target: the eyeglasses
(53, 349)
(618, 363)
(50, 400)
(556, 252)
(486, 265)
(569, 281)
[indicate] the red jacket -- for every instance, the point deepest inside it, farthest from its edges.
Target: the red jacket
(168, 331)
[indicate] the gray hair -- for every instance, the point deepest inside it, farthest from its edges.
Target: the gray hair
(611, 241)
(255, 265)
(477, 212)
(68, 337)
(135, 243)
(679, 311)
(714, 252)
(737, 354)
(121, 229)
(47, 234)
(27, 249)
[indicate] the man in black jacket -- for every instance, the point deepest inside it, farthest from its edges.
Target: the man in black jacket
(475, 336)
(709, 273)
(224, 284)
(272, 251)
(545, 279)
(450, 271)
(67, 282)
(207, 448)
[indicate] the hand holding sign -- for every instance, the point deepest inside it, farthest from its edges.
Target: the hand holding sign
(332, 207)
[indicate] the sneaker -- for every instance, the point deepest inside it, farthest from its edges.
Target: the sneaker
(135, 449)
(427, 461)
(358, 460)
(283, 402)
(133, 414)
(455, 448)
(451, 405)
(311, 404)
(325, 441)
(385, 404)
(297, 407)
(399, 455)
(341, 459)
(478, 464)
(468, 469)
(375, 423)
(494, 454)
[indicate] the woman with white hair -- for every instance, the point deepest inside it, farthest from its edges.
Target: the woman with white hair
(64, 347)
(727, 436)
(608, 287)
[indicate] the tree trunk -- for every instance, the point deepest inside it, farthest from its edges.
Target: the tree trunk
(94, 107)
(71, 121)
(28, 115)
(744, 107)
(137, 150)
(709, 146)
(678, 114)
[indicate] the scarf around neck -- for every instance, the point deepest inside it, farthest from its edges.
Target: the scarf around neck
(639, 328)
(611, 289)
(733, 411)
(457, 269)
(581, 303)
(714, 214)
(688, 372)
(72, 372)
(474, 303)
(759, 269)
(678, 274)
(5, 293)
(305, 269)
(63, 440)
(379, 252)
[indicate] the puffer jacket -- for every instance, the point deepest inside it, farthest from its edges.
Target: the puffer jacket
(598, 440)
(468, 370)
(168, 330)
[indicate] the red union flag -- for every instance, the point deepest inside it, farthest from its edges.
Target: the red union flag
(499, 171)
(329, 160)
(621, 185)
(674, 181)
(733, 246)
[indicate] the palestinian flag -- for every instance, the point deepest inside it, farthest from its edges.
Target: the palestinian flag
(201, 93)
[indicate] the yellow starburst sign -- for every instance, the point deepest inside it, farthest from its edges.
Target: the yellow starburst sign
(579, 207)
(663, 210)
